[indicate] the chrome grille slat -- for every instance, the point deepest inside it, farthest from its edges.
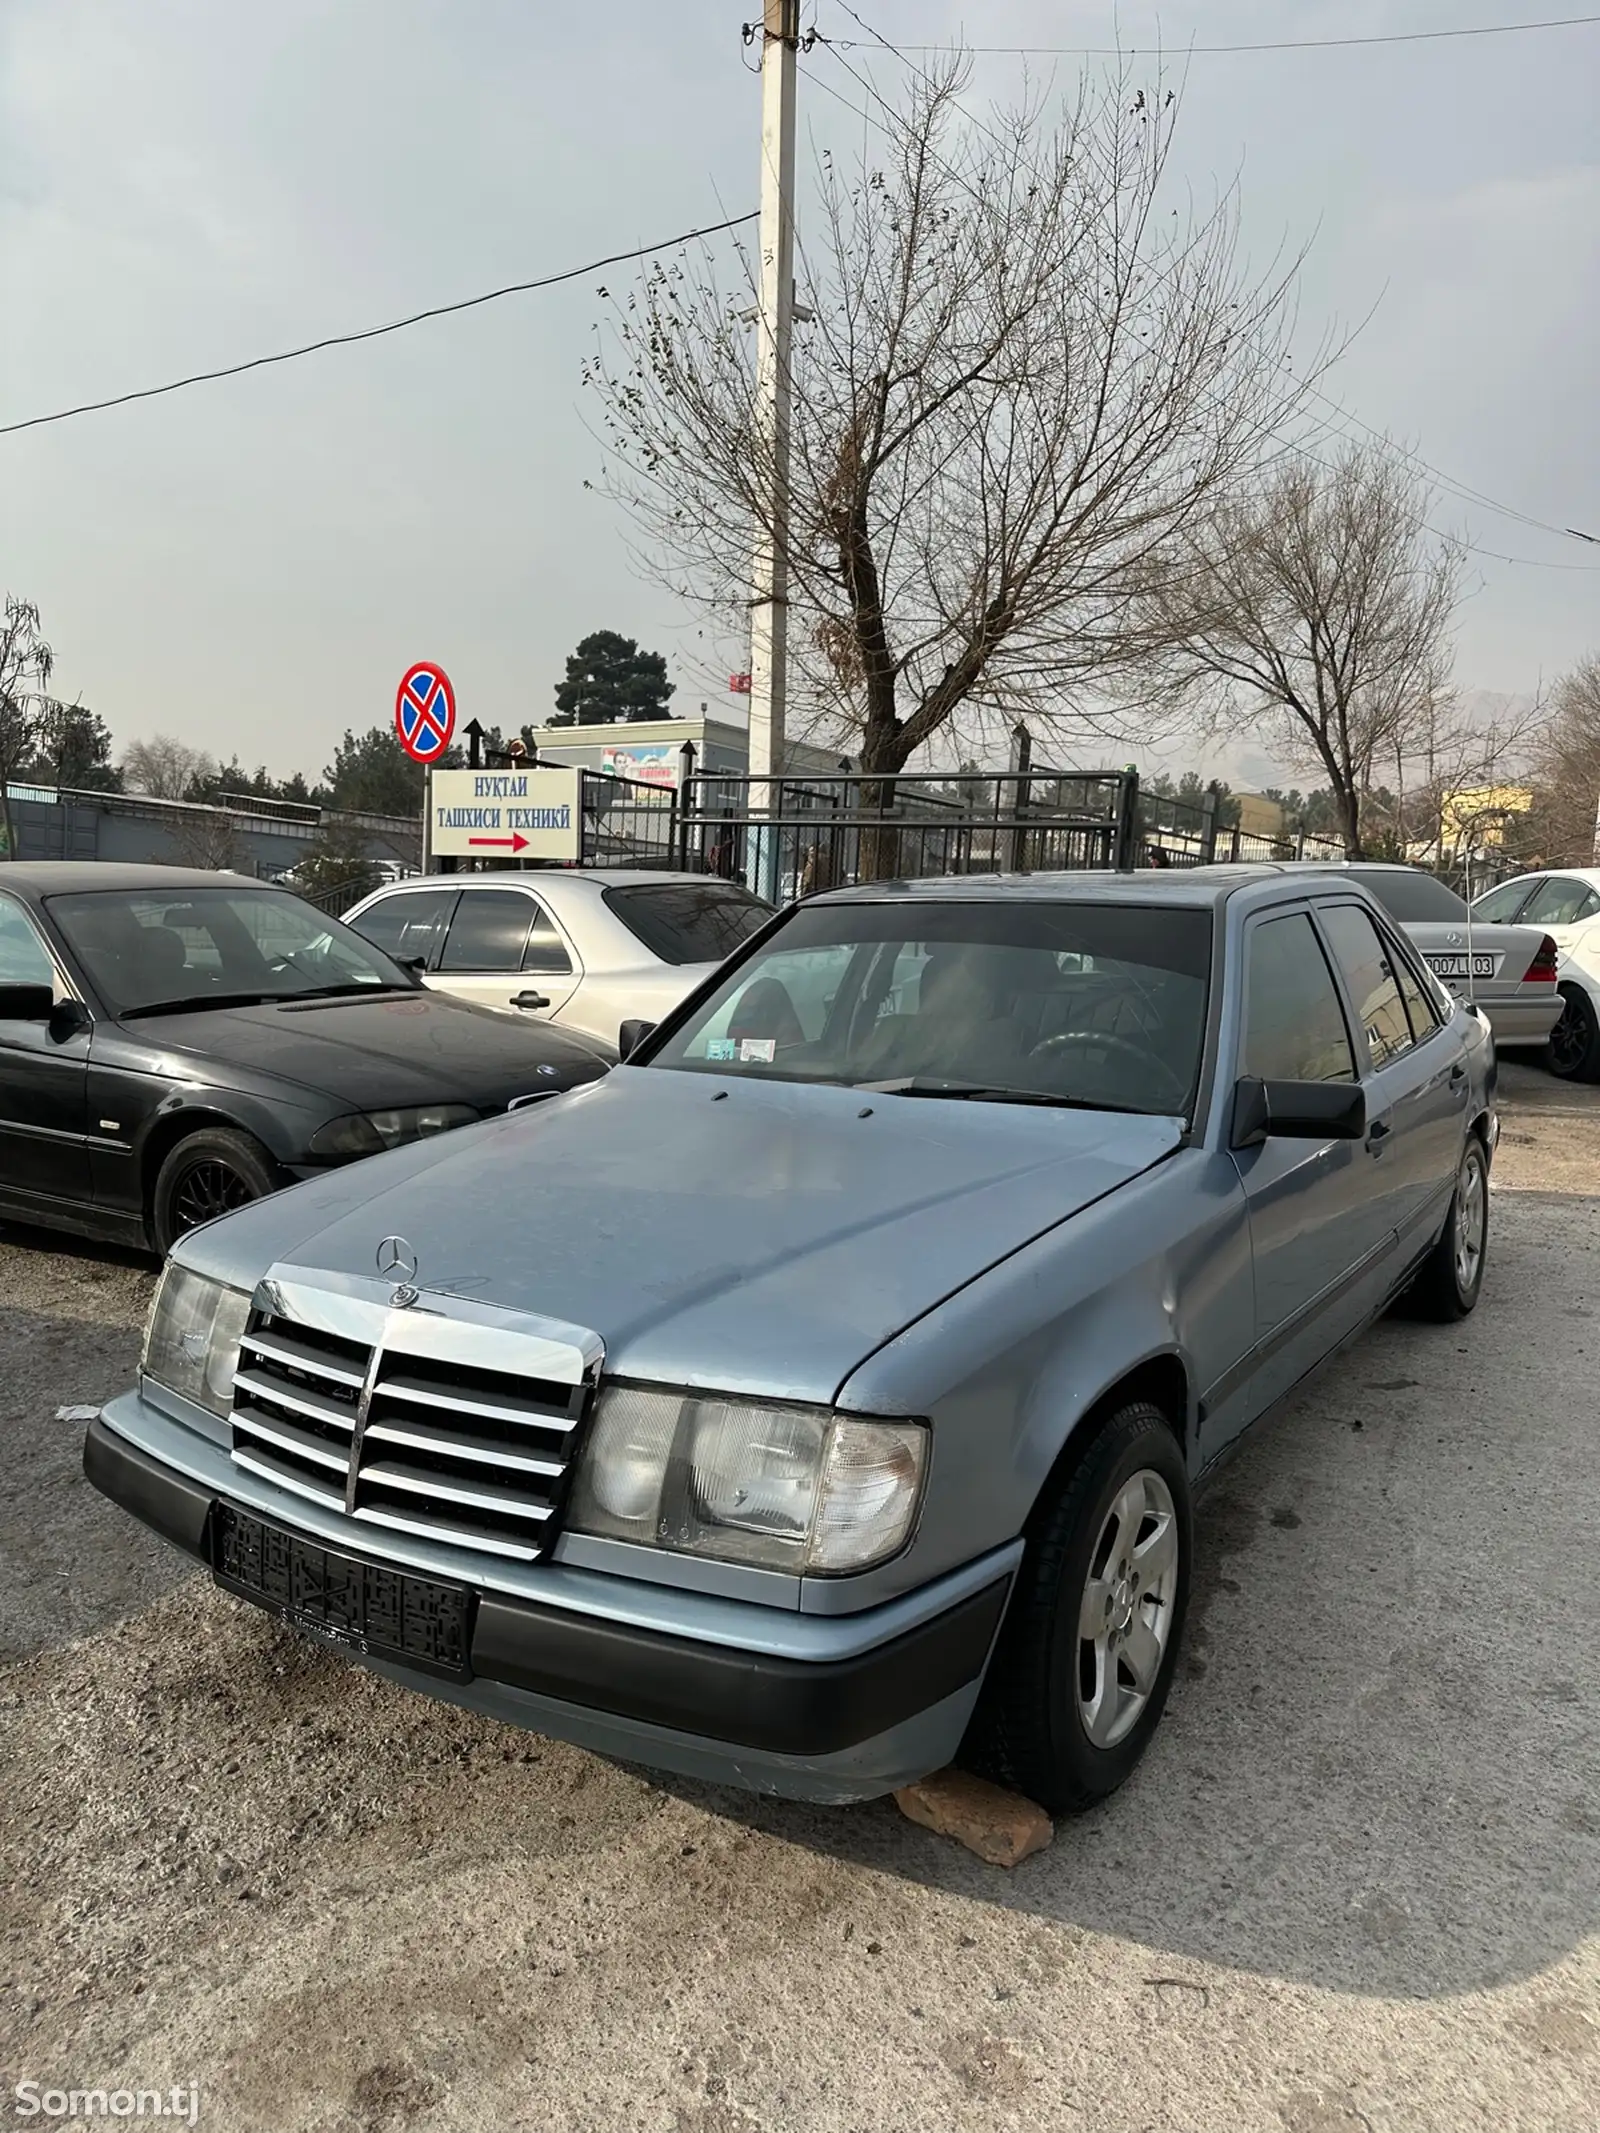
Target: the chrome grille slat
(287, 1477)
(298, 1399)
(466, 1403)
(287, 1438)
(461, 1533)
(459, 1435)
(423, 1437)
(479, 1495)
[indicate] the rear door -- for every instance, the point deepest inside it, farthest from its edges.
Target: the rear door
(410, 925)
(1417, 1081)
(503, 949)
(44, 1080)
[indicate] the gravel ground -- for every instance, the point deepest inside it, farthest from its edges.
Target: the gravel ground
(1356, 1885)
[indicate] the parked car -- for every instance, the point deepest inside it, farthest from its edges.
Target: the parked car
(828, 1384)
(174, 1044)
(588, 949)
(1507, 970)
(1565, 904)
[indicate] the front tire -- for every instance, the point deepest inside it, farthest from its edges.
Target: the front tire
(1573, 1050)
(1080, 1679)
(1451, 1278)
(209, 1174)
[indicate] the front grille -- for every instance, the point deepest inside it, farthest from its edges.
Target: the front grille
(388, 1434)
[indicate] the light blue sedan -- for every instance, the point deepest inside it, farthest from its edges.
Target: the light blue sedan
(820, 1396)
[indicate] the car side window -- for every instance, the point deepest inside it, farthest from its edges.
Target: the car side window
(1420, 1005)
(489, 931)
(1369, 975)
(1500, 906)
(1294, 1025)
(408, 926)
(1560, 901)
(546, 952)
(24, 960)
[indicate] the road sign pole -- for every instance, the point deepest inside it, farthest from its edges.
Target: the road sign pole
(769, 609)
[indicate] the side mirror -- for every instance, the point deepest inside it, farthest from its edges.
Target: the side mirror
(26, 1003)
(67, 1018)
(1297, 1111)
(631, 1036)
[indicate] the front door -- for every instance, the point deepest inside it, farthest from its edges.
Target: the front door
(1314, 1238)
(503, 949)
(44, 1152)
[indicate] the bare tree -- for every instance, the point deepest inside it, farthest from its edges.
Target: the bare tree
(1312, 610)
(1566, 770)
(1023, 370)
(26, 662)
(165, 768)
(205, 837)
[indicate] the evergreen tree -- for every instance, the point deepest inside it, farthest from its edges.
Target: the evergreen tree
(609, 680)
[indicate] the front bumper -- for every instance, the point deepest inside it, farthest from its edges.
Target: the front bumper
(853, 1716)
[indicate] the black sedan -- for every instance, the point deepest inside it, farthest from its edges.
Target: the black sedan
(176, 1043)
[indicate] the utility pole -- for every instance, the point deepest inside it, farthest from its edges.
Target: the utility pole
(769, 610)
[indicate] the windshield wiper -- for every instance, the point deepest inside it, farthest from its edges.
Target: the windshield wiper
(346, 991)
(981, 1093)
(202, 1003)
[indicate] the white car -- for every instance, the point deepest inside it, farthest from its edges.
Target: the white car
(1565, 903)
(588, 948)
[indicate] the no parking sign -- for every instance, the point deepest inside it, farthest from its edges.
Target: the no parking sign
(425, 711)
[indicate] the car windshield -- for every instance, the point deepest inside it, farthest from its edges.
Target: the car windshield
(1089, 1004)
(1411, 897)
(688, 921)
(151, 951)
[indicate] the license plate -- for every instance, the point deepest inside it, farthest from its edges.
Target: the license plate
(364, 1606)
(1455, 966)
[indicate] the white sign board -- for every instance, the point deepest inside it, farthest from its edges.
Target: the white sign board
(504, 814)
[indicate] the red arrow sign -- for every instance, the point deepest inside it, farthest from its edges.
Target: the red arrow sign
(518, 843)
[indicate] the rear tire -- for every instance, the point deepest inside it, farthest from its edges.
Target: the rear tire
(209, 1174)
(1450, 1281)
(1573, 1050)
(1065, 1716)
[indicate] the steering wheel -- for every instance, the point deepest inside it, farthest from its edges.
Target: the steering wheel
(1069, 1041)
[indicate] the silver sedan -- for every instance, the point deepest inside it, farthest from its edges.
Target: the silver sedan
(589, 949)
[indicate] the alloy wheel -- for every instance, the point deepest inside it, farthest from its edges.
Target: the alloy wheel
(1472, 1211)
(207, 1189)
(1126, 1614)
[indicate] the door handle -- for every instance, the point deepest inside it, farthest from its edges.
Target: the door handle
(1458, 1076)
(1377, 1133)
(529, 999)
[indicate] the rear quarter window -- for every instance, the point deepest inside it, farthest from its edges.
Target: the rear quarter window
(690, 921)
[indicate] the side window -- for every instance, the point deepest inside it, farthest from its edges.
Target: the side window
(489, 931)
(1560, 901)
(1363, 958)
(546, 951)
(1500, 906)
(23, 960)
(1420, 1005)
(1294, 1025)
(407, 926)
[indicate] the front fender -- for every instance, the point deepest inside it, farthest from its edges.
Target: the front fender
(1009, 1368)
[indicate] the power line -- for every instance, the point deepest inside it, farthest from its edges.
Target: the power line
(1282, 44)
(1461, 491)
(373, 333)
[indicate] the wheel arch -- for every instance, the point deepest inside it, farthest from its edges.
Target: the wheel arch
(164, 1134)
(1161, 1379)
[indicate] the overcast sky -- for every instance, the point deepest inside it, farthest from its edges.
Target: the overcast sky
(252, 564)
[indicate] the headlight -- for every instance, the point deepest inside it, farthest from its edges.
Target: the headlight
(370, 1132)
(785, 1488)
(192, 1342)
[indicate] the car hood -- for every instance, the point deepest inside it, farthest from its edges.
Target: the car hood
(396, 1049)
(759, 1237)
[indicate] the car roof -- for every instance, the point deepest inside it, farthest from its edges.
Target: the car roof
(60, 877)
(1591, 875)
(596, 878)
(1196, 888)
